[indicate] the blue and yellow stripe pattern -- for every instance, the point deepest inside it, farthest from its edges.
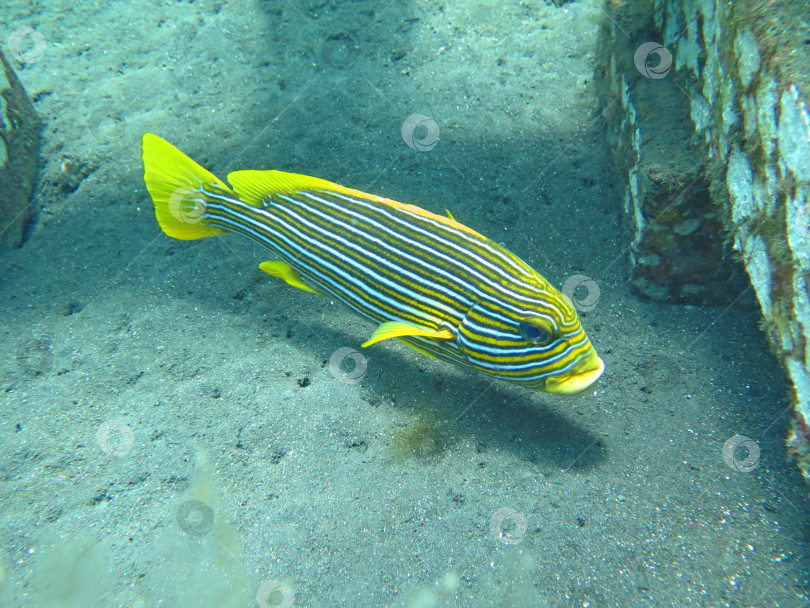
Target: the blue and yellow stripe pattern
(425, 279)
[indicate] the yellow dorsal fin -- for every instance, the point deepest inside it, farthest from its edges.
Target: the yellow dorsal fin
(449, 220)
(395, 329)
(450, 215)
(282, 270)
(175, 183)
(254, 186)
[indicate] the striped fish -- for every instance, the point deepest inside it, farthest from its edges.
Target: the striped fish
(425, 279)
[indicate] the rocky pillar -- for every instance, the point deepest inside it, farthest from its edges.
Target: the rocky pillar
(19, 152)
(730, 158)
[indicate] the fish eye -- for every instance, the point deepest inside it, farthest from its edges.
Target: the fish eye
(536, 331)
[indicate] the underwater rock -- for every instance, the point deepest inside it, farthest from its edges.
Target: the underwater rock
(743, 71)
(19, 155)
(661, 168)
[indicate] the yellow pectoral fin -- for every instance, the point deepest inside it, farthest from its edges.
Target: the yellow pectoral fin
(395, 329)
(282, 270)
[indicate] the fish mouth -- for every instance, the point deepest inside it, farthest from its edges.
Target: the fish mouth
(579, 378)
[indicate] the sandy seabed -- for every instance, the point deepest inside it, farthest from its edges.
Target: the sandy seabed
(175, 430)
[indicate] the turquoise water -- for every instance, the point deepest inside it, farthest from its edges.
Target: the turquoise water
(179, 429)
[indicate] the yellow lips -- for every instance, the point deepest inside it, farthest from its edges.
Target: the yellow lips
(583, 375)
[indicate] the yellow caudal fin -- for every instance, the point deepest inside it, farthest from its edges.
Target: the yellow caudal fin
(175, 183)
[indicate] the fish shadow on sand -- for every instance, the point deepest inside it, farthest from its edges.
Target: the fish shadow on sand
(450, 405)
